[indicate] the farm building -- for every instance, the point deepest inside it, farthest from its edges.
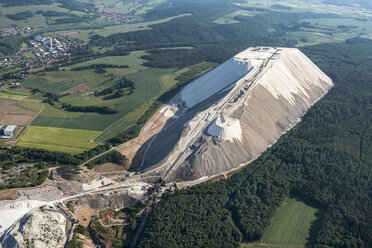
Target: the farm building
(1, 129)
(10, 130)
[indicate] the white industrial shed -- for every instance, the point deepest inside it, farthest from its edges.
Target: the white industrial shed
(10, 130)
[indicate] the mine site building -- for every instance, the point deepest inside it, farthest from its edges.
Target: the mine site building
(39, 38)
(10, 130)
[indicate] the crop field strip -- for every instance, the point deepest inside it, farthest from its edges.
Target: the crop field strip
(72, 141)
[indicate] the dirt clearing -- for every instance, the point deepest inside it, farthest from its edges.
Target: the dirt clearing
(12, 114)
(85, 215)
(135, 148)
(8, 194)
(109, 167)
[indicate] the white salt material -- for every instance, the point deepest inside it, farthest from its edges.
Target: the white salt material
(292, 74)
(225, 128)
(13, 211)
(214, 81)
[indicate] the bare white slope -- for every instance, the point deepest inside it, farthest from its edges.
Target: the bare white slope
(286, 88)
(257, 109)
(214, 81)
(12, 211)
(42, 229)
(293, 74)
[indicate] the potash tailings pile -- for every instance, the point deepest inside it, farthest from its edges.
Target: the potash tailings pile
(233, 113)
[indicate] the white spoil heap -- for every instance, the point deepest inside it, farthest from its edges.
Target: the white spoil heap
(225, 128)
(168, 112)
(42, 229)
(10, 212)
(294, 74)
(262, 92)
(227, 74)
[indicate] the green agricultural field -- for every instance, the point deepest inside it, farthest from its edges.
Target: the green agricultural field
(84, 34)
(129, 6)
(147, 87)
(166, 79)
(59, 81)
(7, 95)
(347, 16)
(133, 60)
(37, 20)
(229, 18)
(19, 92)
(92, 100)
(149, 84)
(291, 224)
(34, 106)
(135, 26)
(305, 6)
(311, 38)
(50, 111)
(72, 141)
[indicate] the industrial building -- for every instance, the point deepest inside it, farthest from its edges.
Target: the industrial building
(10, 130)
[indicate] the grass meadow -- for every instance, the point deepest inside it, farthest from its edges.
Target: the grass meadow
(133, 60)
(59, 81)
(291, 224)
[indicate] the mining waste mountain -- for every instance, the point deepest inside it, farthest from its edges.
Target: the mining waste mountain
(229, 116)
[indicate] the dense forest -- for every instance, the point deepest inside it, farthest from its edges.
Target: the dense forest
(20, 15)
(110, 157)
(325, 160)
(211, 41)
